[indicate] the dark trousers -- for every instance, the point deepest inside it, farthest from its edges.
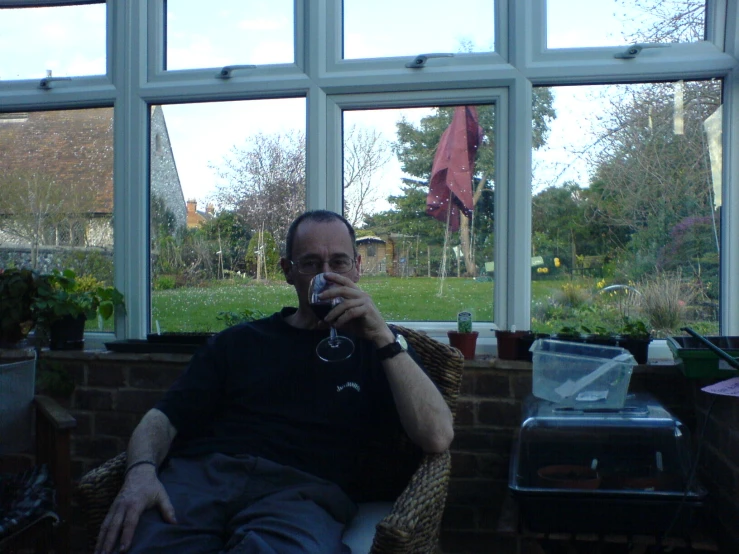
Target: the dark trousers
(245, 505)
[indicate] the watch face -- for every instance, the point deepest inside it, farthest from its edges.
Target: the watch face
(400, 339)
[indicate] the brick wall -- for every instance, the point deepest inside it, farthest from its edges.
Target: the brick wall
(112, 392)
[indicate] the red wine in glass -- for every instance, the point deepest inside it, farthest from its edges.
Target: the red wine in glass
(334, 348)
(321, 309)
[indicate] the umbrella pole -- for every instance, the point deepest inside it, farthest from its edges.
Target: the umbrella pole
(442, 273)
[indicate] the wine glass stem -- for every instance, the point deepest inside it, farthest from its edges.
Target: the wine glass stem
(332, 338)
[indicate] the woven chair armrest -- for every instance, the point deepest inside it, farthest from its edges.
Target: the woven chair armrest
(413, 524)
(95, 494)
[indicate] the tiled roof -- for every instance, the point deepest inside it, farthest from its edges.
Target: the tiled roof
(72, 147)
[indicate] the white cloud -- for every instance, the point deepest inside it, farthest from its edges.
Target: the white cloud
(264, 24)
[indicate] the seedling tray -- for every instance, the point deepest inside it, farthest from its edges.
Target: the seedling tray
(699, 361)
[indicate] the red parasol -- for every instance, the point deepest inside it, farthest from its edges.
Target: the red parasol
(453, 168)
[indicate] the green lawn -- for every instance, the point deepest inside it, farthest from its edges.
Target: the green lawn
(410, 299)
(195, 309)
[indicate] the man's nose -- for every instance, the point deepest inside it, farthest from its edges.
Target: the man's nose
(325, 266)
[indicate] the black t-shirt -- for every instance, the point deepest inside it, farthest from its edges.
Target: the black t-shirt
(258, 388)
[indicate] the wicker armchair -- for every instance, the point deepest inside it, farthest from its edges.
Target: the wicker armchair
(50, 530)
(416, 483)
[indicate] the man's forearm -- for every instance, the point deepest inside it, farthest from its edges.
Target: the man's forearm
(151, 439)
(423, 412)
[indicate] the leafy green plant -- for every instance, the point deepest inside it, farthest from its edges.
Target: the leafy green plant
(234, 318)
(568, 331)
(164, 282)
(17, 292)
(635, 328)
(60, 294)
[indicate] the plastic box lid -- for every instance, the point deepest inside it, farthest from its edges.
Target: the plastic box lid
(581, 375)
(640, 449)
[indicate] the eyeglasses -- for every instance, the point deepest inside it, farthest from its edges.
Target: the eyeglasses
(338, 264)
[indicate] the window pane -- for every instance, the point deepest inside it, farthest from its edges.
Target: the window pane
(228, 32)
(384, 28)
(627, 206)
(64, 40)
(56, 185)
(417, 267)
(226, 181)
(583, 23)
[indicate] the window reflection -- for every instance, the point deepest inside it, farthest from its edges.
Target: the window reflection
(227, 178)
(384, 28)
(62, 41)
(583, 24)
(56, 185)
(628, 193)
(393, 178)
(228, 32)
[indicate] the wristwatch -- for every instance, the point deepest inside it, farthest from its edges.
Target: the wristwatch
(393, 349)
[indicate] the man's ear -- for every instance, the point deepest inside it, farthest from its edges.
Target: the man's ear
(287, 268)
(358, 267)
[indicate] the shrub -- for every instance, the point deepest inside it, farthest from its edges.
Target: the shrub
(665, 299)
(572, 296)
(164, 282)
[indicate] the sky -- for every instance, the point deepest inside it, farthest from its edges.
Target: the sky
(71, 41)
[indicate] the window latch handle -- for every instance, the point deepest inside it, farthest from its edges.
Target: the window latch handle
(420, 60)
(45, 83)
(633, 51)
(225, 72)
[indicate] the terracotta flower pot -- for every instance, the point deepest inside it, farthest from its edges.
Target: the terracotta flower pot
(464, 342)
(508, 343)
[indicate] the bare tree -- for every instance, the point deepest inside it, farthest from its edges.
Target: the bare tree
(667, 20)
(264, 182)
(365, 153)
(35, 206)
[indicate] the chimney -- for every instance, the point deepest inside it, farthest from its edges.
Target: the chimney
(210, 209)
(192, 206)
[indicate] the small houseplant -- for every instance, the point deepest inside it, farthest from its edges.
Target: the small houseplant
(464, 338)
(635, 337)
(64, 302)
(17, 293)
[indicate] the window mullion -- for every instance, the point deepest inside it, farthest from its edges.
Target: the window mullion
(729, 275)
(130, 169)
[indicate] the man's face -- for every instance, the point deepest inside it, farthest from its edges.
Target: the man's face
(319, 241)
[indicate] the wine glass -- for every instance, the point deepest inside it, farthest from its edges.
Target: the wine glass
(334, 348)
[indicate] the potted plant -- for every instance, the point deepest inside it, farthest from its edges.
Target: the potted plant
(17, 294)
(600, 335)
(525, 342)
(569, 333)
(64, 302)
(635, 337)
(464, 338)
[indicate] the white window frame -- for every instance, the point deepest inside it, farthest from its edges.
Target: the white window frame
(134, 81)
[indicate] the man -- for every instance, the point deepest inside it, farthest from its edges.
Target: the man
(258, 437)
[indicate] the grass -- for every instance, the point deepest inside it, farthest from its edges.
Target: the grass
(195, 309)
(414, 299)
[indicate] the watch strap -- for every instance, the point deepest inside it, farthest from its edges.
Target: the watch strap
(390, 350)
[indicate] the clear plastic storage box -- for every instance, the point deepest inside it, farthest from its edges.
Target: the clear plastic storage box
(581, 375)
(626, 470)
